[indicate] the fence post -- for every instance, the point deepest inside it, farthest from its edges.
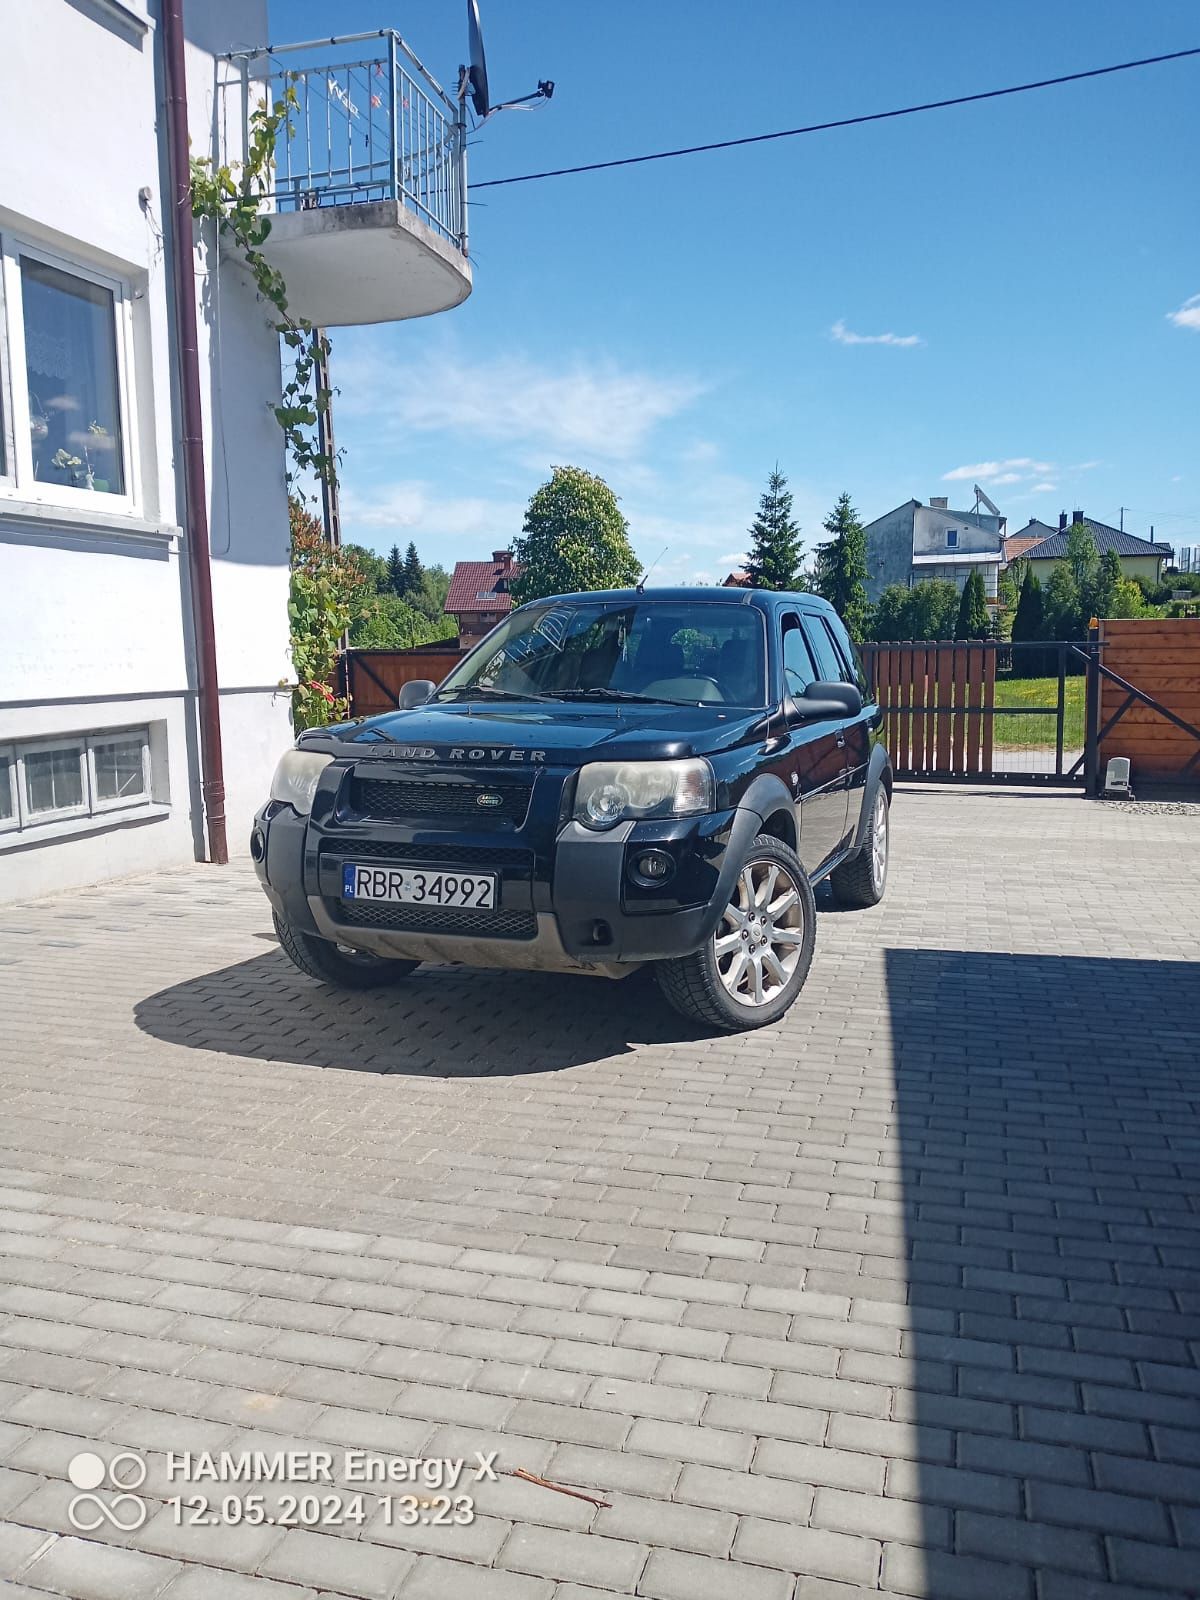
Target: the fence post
(1062, 709)
(1091, 747)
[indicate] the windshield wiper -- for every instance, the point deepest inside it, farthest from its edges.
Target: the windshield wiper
(489, 689)
(616, 694)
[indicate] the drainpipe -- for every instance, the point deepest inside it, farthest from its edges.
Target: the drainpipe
(212, 767)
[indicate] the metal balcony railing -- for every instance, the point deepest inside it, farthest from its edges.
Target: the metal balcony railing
(371, 123)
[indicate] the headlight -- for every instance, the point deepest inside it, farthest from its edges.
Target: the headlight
(609, 792)
(295, 780)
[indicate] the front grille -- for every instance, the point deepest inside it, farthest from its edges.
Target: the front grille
(397, 799)
(455, 855)
(441, 919)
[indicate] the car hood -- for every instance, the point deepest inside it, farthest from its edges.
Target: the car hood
(563, 734)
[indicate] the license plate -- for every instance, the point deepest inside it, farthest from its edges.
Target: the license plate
(419, 886)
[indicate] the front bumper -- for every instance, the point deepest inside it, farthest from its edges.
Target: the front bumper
(569, 899)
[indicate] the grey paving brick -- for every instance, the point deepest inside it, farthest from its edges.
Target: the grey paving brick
(90, 1571)
(679, 1441)
(1029, 1542)
(1023, 1458)
(765, 1418)
(955, 1487)
(632, 1399)
(1153, 1564)
(820, 1464)
(574, 1557)
(824, 1554)
(1085, 1432)
(913, 1571)
(913, 1442)
(434, 1578)
(673, 1575)
(1093, 1508)
(325, 1561)
(569, 1423)
(18, 1546)
(584, 1466)
(872, 1516)
(675, 1526)
(746, 1494)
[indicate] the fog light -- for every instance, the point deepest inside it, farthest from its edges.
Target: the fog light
(258, 845)
(653, 866)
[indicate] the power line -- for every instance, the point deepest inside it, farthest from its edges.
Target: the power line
(840, 122)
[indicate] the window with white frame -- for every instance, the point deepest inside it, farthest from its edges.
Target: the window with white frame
(73, 776)
(63, 379)
(951, 538)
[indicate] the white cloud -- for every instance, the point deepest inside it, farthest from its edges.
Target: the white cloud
(1188, 315)
(596, 409)
(1042, 488)
(1010, 471)
(417, 511)
(841, 334)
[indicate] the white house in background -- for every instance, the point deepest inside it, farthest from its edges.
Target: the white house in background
(100, 766)
(915, 542)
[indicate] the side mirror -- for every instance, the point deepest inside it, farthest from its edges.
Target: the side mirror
(415, 693)
(822, 700)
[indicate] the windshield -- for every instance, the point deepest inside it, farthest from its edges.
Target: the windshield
(682, 653)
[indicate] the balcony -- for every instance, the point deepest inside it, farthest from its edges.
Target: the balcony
(369, 192)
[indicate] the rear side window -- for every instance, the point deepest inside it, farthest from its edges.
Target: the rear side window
(829, 664)
(847, 652)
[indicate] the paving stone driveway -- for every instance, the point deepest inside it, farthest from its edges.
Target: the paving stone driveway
(902, 1295)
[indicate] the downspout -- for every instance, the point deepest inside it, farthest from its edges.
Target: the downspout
(192, 433)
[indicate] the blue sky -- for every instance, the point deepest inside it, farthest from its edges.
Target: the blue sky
(996, 293)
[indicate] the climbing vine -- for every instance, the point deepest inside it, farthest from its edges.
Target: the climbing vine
(232, 198)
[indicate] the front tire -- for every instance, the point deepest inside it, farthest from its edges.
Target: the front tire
(861, 881)
(753, 966)
(331, 963)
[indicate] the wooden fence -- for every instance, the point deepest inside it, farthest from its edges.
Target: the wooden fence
(937, 701)
(1161, 657)
(373, 679)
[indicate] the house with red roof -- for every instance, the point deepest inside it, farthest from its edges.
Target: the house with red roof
(480, 595)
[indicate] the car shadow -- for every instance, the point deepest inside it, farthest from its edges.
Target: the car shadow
(1037, 1231)
(442, 1022)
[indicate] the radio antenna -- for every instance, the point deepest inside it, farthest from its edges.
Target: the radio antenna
(641, 583)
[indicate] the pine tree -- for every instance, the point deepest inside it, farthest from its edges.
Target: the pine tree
(973, 619)
(841, 575)
(1028, 623)
(775, 548)
(395, 570)
(414, 573)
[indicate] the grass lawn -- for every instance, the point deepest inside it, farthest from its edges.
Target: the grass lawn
(1033, 731)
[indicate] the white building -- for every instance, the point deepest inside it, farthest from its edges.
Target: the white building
(916, 542)
(100, 768)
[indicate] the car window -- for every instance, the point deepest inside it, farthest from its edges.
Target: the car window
(820, 642)
(852, 668)
(798, 668)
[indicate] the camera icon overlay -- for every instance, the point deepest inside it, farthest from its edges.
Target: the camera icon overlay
(116, 1478)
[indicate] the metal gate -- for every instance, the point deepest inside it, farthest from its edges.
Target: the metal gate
(987, 711)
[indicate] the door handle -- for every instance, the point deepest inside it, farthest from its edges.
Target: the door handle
(841, 739)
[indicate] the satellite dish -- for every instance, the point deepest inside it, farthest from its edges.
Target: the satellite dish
(478, 70)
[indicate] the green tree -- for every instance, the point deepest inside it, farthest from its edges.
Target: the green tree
(373, 568)
(385, 622)
(1105, 592)
(1029, 622)
(841, 572)
(1083, 560)
(1063, 605)
(573, 538)
(926, 611)
(395, 567)
(974, 621)
(775, 547)
(414, 574)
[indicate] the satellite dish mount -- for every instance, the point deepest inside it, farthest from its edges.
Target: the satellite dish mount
(473, 79)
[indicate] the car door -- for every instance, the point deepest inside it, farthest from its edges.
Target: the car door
(814, 758)
(857, 729)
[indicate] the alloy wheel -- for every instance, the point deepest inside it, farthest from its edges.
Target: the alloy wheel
(879, 843)
(759, 939)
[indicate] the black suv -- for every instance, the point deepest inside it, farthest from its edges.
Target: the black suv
(607, 779)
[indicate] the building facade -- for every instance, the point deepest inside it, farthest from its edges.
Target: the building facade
(100, 772)
(916, 542)
(480, 595)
